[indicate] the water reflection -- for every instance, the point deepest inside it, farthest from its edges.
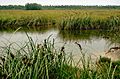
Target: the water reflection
(93, 42)
(78, 35)
(88, 35)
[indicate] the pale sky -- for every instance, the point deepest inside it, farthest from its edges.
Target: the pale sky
(61, 2)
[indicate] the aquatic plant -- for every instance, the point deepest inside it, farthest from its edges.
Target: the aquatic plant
(43, 61)
(86, 23)
(62, 19)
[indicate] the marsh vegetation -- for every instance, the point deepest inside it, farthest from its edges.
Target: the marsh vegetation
(43, 61)
(36, 60)
(62, 19)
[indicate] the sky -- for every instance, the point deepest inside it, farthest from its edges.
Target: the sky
(61, 2)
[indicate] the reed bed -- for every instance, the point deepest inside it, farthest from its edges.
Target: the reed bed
(43, 61)
(85, 23)
(63, 19)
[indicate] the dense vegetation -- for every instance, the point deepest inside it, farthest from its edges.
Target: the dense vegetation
(43, 61)
(35, 6)
(77, 7)
(77, 23)
(28, 6)
(32, 6)
(12, 7)
(62, 19)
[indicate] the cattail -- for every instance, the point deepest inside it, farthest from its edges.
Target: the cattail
(27, 61)
(79, 45)
(63, 47)
(3, 59)
(38, 46)
(12, 55)
(62, 51)
(45, 43)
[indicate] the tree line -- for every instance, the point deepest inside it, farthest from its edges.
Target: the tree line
(80, 7)
(28, 6)
(35, 6)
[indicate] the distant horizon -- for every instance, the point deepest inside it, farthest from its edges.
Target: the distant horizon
(61, 5)
(63, 2)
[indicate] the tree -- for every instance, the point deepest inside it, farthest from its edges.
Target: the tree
(32, 6)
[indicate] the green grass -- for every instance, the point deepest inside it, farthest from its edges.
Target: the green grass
(87, 22)
(62, 19)
(43, 61)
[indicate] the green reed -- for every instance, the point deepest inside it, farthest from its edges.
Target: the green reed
(33, 61)
(43, 61)
(25, 22)
(63, 19)
(78, 23)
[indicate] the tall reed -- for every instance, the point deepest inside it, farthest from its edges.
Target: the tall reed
(43, 61)
(64, 19)
(78, 23)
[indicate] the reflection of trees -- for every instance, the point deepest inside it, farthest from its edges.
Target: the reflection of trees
(113, 36)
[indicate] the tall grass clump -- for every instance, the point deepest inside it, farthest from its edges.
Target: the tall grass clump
(26, 22)
(33, 61)
(43, 61)
(78, 23)
(64, 19)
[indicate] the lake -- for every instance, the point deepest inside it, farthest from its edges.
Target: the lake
(93, 42)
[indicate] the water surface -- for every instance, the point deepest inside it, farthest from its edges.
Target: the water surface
(93, 42)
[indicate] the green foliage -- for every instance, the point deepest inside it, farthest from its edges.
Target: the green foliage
(12, 7)
(62, 19)
(78, 7)
(58, 7)
(113, 65)
(32, 6)
(78, 23)
(43, 61)
(40, 61)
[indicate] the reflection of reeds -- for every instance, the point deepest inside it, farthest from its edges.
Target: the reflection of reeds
(111, 36)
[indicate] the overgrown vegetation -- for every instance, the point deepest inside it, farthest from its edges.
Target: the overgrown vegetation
(32, 6)
(77, 23)
(53, 7)
(43, 61)
(63, 19)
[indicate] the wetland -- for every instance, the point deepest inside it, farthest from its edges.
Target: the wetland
(59, 44)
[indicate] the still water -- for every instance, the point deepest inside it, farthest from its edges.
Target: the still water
(93, 42)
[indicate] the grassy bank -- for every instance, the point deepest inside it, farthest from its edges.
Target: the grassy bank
(87, 22)
(43, 61)
(63, 19)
